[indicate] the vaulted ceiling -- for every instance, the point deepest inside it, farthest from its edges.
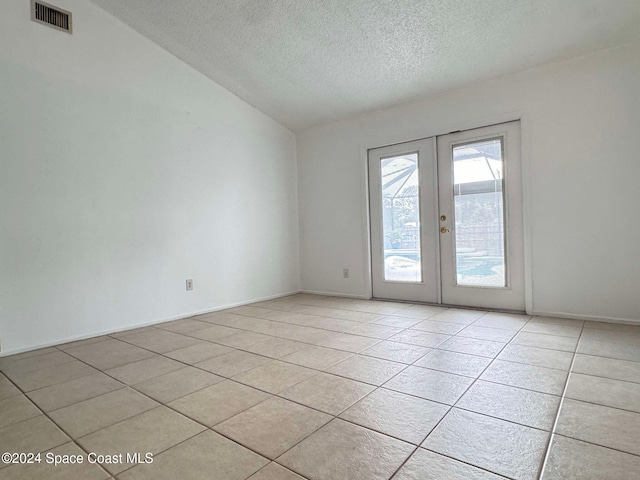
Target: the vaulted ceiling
(309, 62)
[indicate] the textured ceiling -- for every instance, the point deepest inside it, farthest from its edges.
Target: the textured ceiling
(308, 62)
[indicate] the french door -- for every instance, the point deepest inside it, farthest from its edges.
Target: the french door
(446, 219)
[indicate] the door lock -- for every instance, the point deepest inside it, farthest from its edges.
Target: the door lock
(444, 230)
(443, 218)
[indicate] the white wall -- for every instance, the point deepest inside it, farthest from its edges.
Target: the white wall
(581, 153)
(124, 172)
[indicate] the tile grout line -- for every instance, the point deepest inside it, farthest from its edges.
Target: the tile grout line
(272, 395)
(293, 401)
(621, 380)
(557, 417)
(229, 378)
(281, 359)
(304, 314)
(368, 322)
(124, 385)
(70, 437)
(186, 334)
(477, 378)
(452, 406)
(378, 387)
(294, 312)
(281, 466)
(418, 320)
(278, 395)
(229, 311)
(162, 404)
(271, 359)
(336, 417)
(322, 371)
(359, 352)
(596, 444)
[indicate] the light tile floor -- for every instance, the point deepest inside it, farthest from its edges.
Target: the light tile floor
(331, 388)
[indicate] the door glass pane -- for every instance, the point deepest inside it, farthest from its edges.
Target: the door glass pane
(479, 213)
(401, 218)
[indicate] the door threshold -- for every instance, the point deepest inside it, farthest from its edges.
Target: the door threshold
(446, 305)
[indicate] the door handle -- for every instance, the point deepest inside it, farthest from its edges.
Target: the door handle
(444, 230)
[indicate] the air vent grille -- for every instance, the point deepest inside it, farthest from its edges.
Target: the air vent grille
(49, 15)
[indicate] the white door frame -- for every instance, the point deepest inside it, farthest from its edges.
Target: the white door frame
(428, 290)
(451, 127)
(512, 295)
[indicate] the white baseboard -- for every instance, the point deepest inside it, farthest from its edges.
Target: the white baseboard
(334, 294)
(62, 341)
(592, 318)
(540, 313)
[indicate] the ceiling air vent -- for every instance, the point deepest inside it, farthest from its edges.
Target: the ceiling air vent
(49, 15)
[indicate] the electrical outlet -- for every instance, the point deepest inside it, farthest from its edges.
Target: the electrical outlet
(345, 273)
(189, 284)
